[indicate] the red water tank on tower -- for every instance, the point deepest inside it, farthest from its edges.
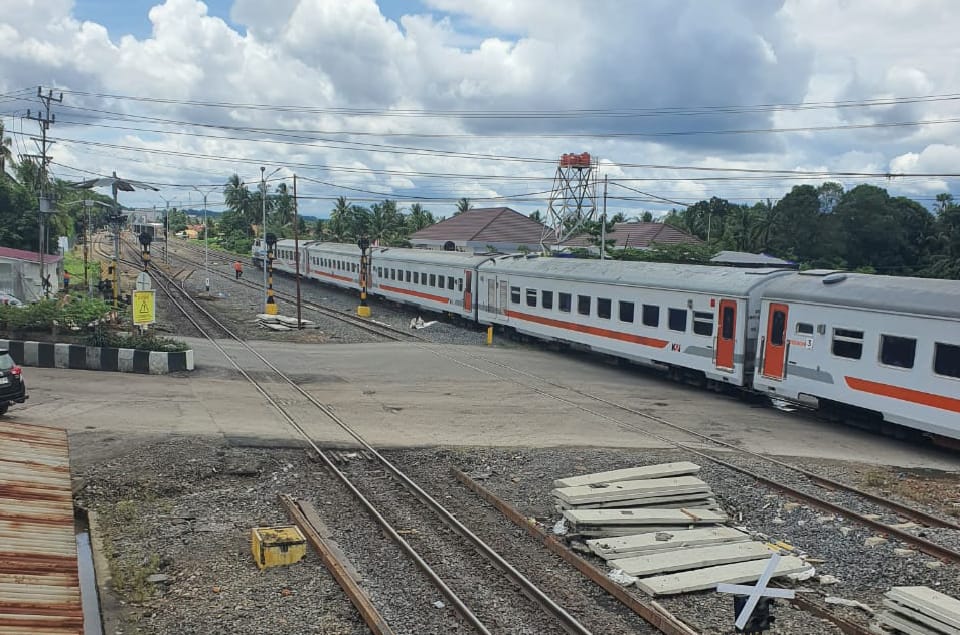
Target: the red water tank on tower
(585, 159)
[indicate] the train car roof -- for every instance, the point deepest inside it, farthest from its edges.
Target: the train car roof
(695, 278)
(920, 296)
(340, 248)
(429, 256)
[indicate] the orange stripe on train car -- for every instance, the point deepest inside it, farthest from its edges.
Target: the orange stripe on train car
(333, 275)
(590, 330)
(904, 394)
(419, 294)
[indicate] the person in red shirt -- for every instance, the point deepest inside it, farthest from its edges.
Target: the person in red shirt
(238, 269)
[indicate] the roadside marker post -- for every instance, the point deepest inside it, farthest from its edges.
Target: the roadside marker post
(755, 593)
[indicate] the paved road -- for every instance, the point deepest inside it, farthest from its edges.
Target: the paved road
(411, 395)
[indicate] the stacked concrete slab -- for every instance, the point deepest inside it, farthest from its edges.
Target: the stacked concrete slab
(661, 524)
(637, 500)
(919, 610)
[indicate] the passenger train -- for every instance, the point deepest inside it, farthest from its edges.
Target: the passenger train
(884, 348)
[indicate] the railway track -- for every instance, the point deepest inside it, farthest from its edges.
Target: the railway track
(521, 595)
(816, 481)
(370, 326)
(801, 490)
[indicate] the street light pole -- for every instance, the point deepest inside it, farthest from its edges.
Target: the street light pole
(206, 248)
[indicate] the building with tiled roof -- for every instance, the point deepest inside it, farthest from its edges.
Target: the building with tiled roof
(479, 230)
(20, 273)
(636, 235)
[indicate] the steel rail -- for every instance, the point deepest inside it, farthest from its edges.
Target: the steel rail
(383, 330)
(402, 543)
(656, 616)
(567, 621)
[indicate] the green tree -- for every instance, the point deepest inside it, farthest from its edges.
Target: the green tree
(463, 205)
(6, 151)
(418, 218)
(647, 217)
(537, 216)
(338, 227)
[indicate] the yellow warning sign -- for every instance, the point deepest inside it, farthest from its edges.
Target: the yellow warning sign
(144, 308)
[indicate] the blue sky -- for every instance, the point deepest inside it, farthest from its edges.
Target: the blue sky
(130, 17)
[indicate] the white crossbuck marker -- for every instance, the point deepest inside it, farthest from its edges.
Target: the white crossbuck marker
(756, 592)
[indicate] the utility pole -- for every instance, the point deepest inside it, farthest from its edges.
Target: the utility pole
(603, 222)
(44, 119)
(206, 248)
(296, 248)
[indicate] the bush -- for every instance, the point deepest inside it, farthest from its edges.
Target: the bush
(46, 314)
(146, 342)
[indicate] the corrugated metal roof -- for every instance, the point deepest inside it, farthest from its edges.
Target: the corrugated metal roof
(487, 225)
(29, 256)
(39, 583)
(657, 275)
(638, 235)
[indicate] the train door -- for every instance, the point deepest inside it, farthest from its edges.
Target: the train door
(467, 290)
(504, 290)
(726, 334)
(775, 349)
(492, 295)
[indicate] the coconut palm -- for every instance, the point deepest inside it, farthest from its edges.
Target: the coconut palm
(6, 152)
(419, 218)
(463, 205)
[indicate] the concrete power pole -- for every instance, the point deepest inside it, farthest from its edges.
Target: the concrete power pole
(44, 119)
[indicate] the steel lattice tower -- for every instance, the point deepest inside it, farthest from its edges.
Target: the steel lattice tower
(573, 200)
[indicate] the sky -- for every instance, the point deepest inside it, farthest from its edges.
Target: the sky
(433, 100)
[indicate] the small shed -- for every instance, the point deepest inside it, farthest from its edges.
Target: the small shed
(20, 273)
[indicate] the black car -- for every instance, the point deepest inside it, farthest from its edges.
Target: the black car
(12, 387)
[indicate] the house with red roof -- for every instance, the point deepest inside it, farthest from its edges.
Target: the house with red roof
(20, 273)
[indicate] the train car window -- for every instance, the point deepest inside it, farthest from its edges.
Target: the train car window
(564, 302)
(778, 329)
(703, 323)
(604, 308)
(651, 315)
(946, 359)
(804, 329)
(847, 343)
(393, 274)
(532, 297)
(440, 282)
(433, 279)
(450, 284)
(546, 299)
(897, 351)
(353, 267)
(416, 277)
(407, 274)
(459, 284)
(728, 318)
(626, 311)
(583, 304)
(515, 295)
(677, 319)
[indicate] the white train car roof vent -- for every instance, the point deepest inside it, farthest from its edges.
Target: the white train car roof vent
(820, 273)
(834, 278)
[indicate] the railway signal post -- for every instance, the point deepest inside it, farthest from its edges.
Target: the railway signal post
(271, 308)
(364, 244)
(145, 239)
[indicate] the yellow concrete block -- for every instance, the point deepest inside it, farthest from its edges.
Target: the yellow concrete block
(277, 546)
(363, 311)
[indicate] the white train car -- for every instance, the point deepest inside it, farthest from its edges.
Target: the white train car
(285, 256)
(337, 264)
(438, 281)
(883, 344)
(698, 322)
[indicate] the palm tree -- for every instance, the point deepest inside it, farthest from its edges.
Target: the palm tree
(236, 196)
(463, 205)
(6, 154)
(419, 218)
(283, 207)
(338, 225)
